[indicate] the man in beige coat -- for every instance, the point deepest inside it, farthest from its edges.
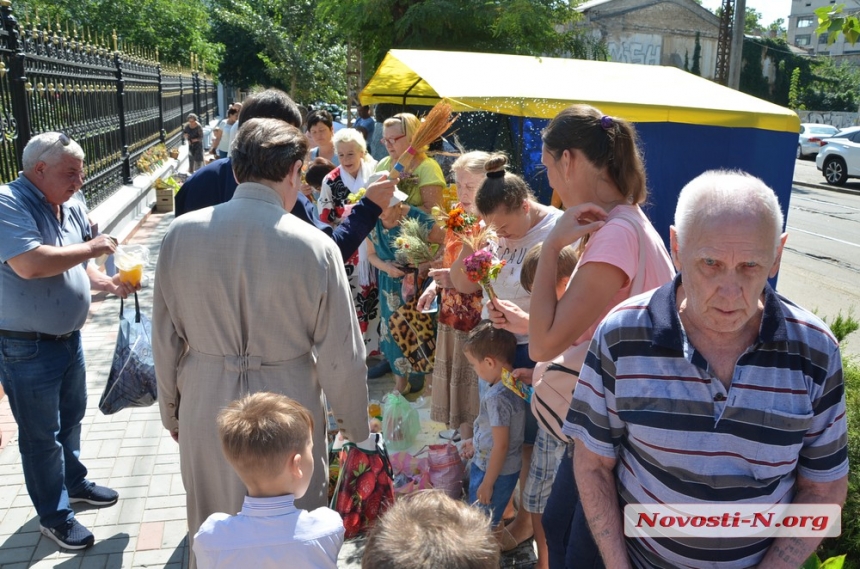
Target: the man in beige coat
(247, 298)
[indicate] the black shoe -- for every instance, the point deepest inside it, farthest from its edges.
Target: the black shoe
(69, 535)
(95, 495)
(379, 370)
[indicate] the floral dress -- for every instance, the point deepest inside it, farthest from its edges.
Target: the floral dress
(332, 208)
(390, 297)
(455, 383)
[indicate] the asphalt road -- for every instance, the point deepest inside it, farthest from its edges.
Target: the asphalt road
(821, 263)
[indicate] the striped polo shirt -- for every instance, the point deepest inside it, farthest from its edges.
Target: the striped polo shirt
(647, 398)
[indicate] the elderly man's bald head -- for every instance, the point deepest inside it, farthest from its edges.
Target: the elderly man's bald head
(725, 193)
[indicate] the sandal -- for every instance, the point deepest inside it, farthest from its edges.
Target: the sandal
(509, 542)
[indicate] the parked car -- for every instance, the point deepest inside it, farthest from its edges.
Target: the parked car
(839, 158)
(810, 138)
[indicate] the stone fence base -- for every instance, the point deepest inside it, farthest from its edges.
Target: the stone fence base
(837, 119)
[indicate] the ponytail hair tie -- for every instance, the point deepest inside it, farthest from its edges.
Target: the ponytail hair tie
(496, 174)
(606, 122)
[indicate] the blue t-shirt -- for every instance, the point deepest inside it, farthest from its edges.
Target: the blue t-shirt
(51, 305)
(500, 407)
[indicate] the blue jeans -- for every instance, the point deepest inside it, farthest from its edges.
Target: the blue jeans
(503, 489)
(47, 389)
(568, 537)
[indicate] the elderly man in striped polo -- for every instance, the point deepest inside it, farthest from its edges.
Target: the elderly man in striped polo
(712, 391)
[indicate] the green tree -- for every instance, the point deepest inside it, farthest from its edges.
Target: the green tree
(778, 27)
(176, 28)
(526, 27)
(697, 56)
(687, 60)
(298, 46)
(794, 90)
(833, 21)
(752, 20)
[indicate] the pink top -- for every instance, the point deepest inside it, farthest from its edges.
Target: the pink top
(617, 243)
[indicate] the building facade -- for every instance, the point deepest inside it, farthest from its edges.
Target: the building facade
(655, 32)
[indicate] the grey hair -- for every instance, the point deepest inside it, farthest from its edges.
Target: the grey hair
(350, 135)
(472, 162)
(718, 192)
(48, 148)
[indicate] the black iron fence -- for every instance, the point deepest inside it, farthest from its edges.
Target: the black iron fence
(115, 105)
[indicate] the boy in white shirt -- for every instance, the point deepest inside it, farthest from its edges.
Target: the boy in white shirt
(266, 437)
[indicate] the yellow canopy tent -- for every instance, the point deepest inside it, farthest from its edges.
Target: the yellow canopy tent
(540, 87)
(687, 124)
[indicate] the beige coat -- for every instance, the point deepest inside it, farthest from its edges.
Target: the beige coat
(250, 298)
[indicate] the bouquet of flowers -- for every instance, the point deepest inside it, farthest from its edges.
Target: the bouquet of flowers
(483, 267)
(457, 220)
(412, 247)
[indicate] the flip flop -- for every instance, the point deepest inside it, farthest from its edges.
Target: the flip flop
(509, 542)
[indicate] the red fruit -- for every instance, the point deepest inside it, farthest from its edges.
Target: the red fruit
(376, 463)
(357, 462)
(344, 503)
(365, 485)
(371, 506)
(383, 479)
(351, 525)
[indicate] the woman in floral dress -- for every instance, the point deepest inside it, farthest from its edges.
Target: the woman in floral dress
(381, 254)
(350, 177)
(455, 384)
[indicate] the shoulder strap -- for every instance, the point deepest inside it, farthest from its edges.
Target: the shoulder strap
(638, 283)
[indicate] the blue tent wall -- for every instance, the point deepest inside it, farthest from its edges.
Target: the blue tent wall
(675, 154)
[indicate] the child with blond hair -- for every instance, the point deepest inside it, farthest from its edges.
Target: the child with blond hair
(266, 438)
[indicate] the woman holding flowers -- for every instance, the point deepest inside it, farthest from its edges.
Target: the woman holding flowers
(508, 206)
(383, 244)
(422, 180)
(455, 384)
(347, 181)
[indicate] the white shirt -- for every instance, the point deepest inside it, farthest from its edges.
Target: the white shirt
(270, 533)
(513, 251)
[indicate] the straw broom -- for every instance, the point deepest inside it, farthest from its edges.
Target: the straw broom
(437, 121)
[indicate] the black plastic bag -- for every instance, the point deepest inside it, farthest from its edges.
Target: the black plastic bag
(131, 382)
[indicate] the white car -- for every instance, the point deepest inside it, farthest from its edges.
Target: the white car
(810, 138)
(839, 158)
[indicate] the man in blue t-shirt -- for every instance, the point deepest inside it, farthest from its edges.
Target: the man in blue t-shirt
(46, 243)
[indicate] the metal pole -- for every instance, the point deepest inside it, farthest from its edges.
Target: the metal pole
(123, 135)
(737, 53)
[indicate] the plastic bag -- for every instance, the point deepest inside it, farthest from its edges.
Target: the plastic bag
(131, 382)
(130, 260)
(400, 423)
(364, 486)
(446, 469)
(411, 473)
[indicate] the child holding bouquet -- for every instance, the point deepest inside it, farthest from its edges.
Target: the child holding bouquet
(506, 204)
(381, 252)
(455, 384)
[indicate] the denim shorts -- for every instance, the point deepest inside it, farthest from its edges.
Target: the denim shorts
(503, 489)
(546, 457)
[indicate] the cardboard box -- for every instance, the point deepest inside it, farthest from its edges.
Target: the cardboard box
(164, 200)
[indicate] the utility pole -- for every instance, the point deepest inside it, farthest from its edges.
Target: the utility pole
(737, 52)
(724, 42)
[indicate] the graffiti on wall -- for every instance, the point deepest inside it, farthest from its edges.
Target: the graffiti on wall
(635, 48)
(837, 119)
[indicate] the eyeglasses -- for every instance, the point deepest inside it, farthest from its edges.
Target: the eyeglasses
(391, 141)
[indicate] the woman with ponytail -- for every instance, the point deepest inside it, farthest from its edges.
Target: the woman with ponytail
(594, 163)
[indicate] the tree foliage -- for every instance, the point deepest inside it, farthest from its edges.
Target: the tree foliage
(833, 21)
(176, 28)
(752, 20)
(299, 48)
(525, 27)
(696, 69)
